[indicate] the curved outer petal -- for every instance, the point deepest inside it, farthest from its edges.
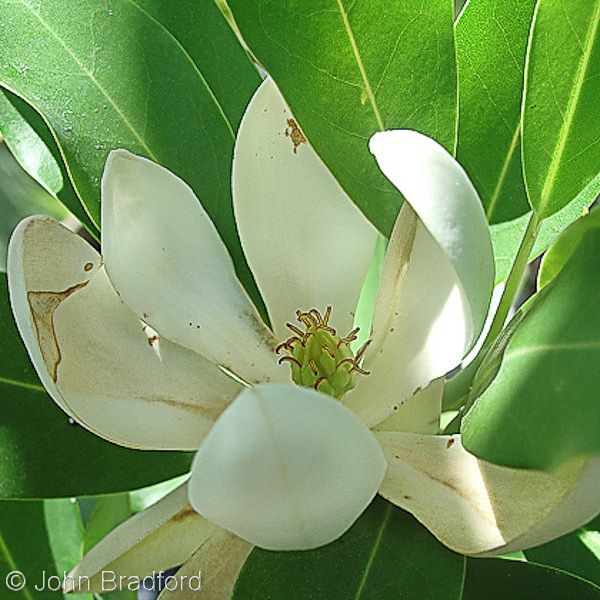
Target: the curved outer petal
(482, 509)
(437, 278)
(308, 245)
(440, 192)
(219, 561)
(92, 354)
(286, 468)
(169, 265)
(156, 539)
(420, 413)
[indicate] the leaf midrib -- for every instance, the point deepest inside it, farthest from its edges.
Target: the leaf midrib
(567, 121)
(361, 66)
(374, 549)
(503, 173)
(22, 384)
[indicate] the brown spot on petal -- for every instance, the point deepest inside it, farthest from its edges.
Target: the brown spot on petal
(450, 443)
(88, 267)
(295, 134)
(43, 305)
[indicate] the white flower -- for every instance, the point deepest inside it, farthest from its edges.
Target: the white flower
(153, 343)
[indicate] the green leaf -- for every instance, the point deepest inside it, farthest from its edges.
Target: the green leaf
(65, 536)
(491, 43)
(350, 68)
(111, 76)
(107, 513)
(34, 148)
(499, 579)
(577, 553)
(43, 455)
(20, 196)
(561, 120)
(542, 406)
(216, 52)
(386, 554)
(24, 547)
(506, 237)
(560, 252)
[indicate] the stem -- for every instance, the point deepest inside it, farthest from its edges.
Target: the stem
(513, 280)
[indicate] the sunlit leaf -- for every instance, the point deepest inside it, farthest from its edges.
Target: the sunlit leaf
(112, 76)
(348, 69)
(208, 39)
(491, 43)
(506, 237)
(542, 406)
(561, 119)
(560, 252)
(34, 148)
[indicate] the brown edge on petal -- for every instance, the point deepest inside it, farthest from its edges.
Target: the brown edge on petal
(43, 305)
(183, 514)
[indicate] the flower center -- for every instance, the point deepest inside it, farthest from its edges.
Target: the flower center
(320, 358)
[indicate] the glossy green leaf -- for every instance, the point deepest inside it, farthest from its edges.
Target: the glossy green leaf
(43, 454)
(202, 30)
(111, 76)
(386, 554)
(542, 406)
(20, 197)
(350, 68)
(499, 579)
(65, 536)
(34, 148)
(506, 237)
(561, 119)
(24, 547)
(577, 553)
(560, 252)
(491, 44)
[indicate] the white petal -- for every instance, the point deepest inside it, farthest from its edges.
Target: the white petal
(420, 413)
(91, 351)
(169, 265)
(286, 468)
(219, 561)
(419, 326)
(478, 508)
(440, 192)
(306, 242)
(159, 538)
(437, 277)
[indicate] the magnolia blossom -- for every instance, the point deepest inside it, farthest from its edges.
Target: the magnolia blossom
(156, 345)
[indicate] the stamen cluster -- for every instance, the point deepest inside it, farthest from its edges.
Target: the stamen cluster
(318, 357)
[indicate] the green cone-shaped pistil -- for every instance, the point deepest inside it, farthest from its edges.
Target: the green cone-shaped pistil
(320, 358)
